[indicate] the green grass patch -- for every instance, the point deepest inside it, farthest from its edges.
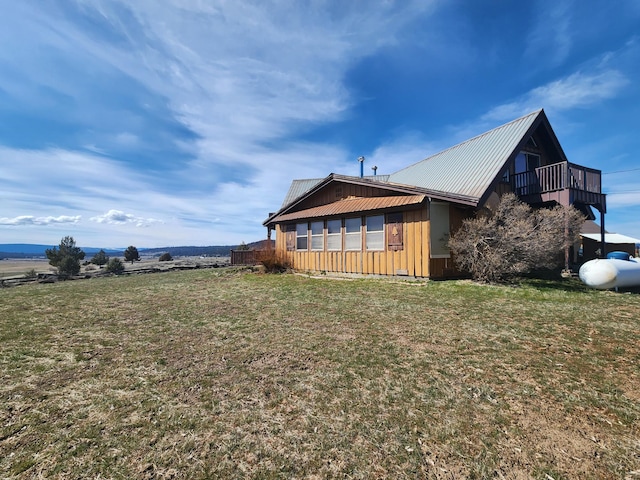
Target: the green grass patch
(207, 374)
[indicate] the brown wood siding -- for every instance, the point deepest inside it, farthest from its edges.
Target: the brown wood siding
(411, 260)
(342, 191)
(502, 188)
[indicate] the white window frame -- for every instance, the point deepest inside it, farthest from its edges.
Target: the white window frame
(302, 227)
(350, 234)
(317, 236)
(334, 235)
(374, 233)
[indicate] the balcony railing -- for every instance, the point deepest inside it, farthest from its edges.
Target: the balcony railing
(556, 177)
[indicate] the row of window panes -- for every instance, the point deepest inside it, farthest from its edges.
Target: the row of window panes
(374, 229)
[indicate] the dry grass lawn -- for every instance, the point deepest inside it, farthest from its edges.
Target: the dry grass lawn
(223, 374)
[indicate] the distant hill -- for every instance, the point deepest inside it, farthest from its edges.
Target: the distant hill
(211, 251)
(24, 248)
(29, 250)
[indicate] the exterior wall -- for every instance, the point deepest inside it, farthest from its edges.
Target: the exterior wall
(412, 259)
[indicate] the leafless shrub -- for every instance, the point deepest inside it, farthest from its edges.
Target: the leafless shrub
(272, 261)
(514, 239)
(31, 273)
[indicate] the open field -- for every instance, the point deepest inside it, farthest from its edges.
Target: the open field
(223, 374)
(18, 267)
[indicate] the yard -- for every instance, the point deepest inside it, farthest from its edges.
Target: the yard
(224, 374)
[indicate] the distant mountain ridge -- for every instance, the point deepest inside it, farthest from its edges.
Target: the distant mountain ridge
(27, 250)
(23, 248)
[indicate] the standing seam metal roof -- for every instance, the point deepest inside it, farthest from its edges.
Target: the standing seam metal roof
(464, 171)
(299, 188)
(469, 167)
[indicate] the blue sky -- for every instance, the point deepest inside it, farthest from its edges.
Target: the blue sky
(182, 122)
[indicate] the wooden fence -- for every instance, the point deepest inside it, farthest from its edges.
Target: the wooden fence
(244, 257)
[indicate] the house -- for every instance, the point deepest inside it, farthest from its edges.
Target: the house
(399, 224)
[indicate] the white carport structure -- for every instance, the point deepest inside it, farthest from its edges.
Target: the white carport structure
(591, 243)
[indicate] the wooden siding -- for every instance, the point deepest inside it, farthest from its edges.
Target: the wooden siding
(341, 191)
(411, 260)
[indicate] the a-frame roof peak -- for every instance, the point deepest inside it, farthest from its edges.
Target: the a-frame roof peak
(470, 167)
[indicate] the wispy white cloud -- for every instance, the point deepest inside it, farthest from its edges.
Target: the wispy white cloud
(31, 220)
(238, 71)
(116, 217)
(623, 189)
(577, 90)
(622, 200)
(552, 34)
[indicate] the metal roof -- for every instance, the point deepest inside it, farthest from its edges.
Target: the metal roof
(611, 238)
(470, 167)
(352, 205)
(299, 188)
(463, 173)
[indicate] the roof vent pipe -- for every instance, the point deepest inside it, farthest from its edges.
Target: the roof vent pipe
(375, 169)
(361, 160)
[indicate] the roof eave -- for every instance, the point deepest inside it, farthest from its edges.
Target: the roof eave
(330, 178)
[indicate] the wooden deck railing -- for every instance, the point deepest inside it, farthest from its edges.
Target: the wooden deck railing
(559, 176)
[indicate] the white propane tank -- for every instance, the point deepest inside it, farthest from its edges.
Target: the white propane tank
(610, 273)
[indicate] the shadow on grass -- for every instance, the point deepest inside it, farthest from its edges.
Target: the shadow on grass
(567, 285)
(564, 284)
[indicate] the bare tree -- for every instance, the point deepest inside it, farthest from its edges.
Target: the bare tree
(514, 239)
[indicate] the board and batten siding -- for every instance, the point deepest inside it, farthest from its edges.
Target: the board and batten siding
(411, 259)
(341, 191)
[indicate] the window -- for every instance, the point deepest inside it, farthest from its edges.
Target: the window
(527, 162)
(301, 236)
(317, 235)
(375, 232)
(334, 237)
(352, 234)
(525, 178)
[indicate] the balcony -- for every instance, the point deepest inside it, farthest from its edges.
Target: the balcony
(565, 183)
